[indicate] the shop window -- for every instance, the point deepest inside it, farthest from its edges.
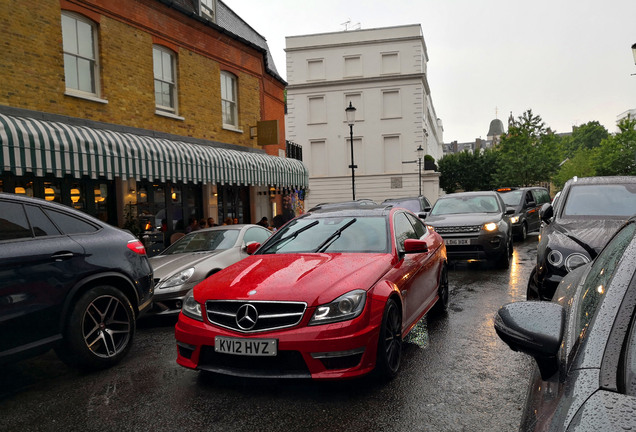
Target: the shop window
(79, 36)
(229, 100)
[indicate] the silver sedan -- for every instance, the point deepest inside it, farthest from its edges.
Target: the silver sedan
(196, 256)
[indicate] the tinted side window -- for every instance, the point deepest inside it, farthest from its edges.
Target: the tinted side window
(13, 221)
(70, 224)
(403, 230)
(420, 229)
(541, 196)
(42, 225)
(255, 235)
(598, 279)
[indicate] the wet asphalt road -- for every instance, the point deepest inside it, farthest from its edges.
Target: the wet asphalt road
(456, 375)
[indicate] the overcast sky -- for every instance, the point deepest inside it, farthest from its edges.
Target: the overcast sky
(568, 60)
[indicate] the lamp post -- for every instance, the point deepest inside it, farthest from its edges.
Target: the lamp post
(634, 53)
(351, 118)
(420, 155)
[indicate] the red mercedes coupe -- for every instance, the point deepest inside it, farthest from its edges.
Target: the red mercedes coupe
(331, 295)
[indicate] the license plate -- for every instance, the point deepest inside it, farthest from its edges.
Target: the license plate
(457, 242)
(247, 347)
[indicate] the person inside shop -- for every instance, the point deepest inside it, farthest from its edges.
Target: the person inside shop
(235, 222)
(278, 221)
(203, 223)
(227, 221)
(263, 222)
(193, 225)
(211, 222)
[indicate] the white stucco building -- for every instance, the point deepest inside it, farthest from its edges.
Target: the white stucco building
(382, 73)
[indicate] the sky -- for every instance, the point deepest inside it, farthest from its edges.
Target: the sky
(569, 61)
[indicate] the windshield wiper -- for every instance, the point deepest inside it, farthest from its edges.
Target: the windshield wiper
(291, 236)
(332, 238)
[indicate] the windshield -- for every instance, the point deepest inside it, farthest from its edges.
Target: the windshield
(512, 198)
(357, 234)
(601, 200)
(203, 241)
(466, 204)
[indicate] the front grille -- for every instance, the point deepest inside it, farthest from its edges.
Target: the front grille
(458, 229)
(254, 316)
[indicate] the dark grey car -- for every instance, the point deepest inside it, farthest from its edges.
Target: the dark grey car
(526, 202)
(474, 226)
(588, 212)
(584, 343)
(68, 281)
(420, 205)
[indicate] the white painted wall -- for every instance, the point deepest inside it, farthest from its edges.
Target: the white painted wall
(383, 73)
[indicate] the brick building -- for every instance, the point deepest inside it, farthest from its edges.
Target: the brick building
(141, 110)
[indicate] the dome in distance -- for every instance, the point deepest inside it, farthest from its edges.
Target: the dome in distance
(496, 128)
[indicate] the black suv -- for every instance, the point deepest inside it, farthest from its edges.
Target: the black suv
(419, 205)
(589, 210)
(68, 281)
(526, 202)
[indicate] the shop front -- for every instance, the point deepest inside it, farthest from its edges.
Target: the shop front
(138, 179)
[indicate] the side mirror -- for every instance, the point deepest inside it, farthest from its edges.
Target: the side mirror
(415, 246)
(423, 215)
(510, 211)
(546, 212)
(252, 247)
(535, 328)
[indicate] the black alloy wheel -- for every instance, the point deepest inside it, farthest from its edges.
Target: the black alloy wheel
(524, 231)
(443, 291)
(503, 262)
(100, 329)
(390, 341)
(532, 292)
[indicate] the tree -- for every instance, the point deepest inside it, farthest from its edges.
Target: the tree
(467, 171)
(527, 154)
(580, 165)
(617, 153)
(586, 136)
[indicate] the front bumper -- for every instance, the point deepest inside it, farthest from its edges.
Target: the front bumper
(330, 351)
(480, 248)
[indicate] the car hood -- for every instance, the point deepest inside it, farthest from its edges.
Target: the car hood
(166, 265)
(462, 219)
(592, 234)
(314, 278)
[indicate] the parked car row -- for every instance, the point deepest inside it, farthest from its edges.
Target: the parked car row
(584, 339)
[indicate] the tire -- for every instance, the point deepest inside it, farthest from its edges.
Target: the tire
(99, 331)
(503, 262)
(441, 307)
(389, 353)
(524, 232)
(532, 292)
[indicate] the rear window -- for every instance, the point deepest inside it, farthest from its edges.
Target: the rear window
(70, 224)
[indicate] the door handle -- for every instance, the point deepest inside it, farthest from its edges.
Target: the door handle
(60, 256)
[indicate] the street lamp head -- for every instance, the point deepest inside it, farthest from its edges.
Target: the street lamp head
(351, 114)
(420, 152)
(634, 52)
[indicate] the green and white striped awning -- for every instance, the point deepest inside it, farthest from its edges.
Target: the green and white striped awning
(47, 147)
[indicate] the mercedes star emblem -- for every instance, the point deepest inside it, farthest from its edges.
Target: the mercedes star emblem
(246, 317)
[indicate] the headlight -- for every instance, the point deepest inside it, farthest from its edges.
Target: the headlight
(431, 228)
(555, 258)
(514, 219)
(575, 260)
(490, 226)
(345, 307)
(177, 279)
(191, 307)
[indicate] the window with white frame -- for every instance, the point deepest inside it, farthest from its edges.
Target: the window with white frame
(391, 105)
(392, 154)
(318, 153)
(229, 99)
(316, 110)
(315, 69)
(79, 40)
(208, 9)
(352, 66)
(164, 65)
(390, 63)
(356, 102)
